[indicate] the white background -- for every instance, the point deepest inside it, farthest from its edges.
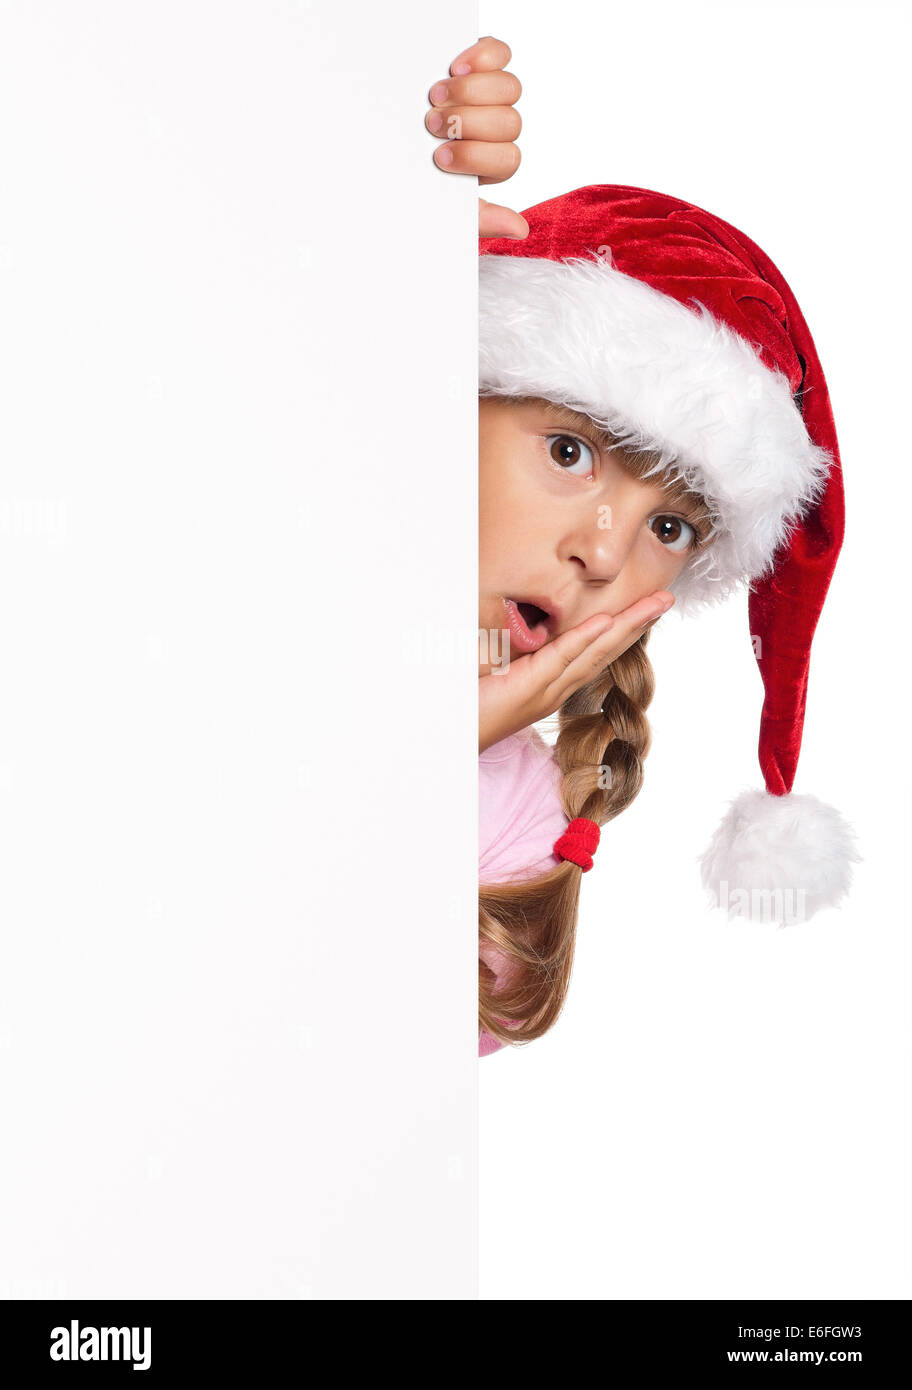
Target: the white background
(237, 785)
(237, 303)
(723, 1109)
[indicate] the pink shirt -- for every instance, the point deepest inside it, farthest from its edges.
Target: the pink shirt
(519, 818)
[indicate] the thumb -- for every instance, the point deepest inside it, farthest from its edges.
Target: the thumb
(495, 220)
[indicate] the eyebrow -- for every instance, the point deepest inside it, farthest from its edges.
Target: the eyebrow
(575, 419)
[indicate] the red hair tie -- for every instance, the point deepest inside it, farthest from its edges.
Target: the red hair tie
(579, 842)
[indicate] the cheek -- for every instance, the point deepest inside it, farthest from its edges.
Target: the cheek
(675, 560)
(500, 516)
(657, 565)
(491, 523)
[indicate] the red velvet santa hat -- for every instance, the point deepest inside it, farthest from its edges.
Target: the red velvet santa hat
(672, 329)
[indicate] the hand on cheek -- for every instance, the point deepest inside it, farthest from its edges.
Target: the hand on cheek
(534, 687)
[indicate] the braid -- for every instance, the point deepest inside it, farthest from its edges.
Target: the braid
(604, 738)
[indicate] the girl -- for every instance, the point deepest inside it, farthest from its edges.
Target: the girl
(654, 428)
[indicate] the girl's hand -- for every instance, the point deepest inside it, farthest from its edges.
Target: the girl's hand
(536, 685)
(472, 111)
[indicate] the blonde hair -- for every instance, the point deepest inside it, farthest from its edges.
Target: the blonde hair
(602, 725)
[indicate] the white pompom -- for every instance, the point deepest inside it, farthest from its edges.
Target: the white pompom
(779, 858)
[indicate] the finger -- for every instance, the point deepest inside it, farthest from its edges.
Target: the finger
(496, 123)
(590, 662)
(494, 220)
(630, 626)
(477, 89)
(485, 55)
(492, 163)
(644, 612)
(592, 648)
(555, 658)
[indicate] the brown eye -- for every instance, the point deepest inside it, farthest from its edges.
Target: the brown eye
(570, 453)
(673, 531)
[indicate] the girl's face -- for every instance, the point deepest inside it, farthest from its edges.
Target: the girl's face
(564, 525)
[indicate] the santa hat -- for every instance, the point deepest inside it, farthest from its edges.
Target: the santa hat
(676, 332)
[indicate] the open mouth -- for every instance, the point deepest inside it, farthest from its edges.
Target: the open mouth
(528, 624)
(531, 614)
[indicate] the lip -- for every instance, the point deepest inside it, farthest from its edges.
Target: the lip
(526, 639)
(552, 622)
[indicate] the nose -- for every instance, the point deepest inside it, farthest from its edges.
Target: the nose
(601, 544)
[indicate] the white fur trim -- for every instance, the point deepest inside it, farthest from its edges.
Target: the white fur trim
(663, 376)
(779, 858)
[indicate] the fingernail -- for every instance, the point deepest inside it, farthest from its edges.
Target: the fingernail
(439, 93)
(435, 121)
(443, 154)
(460, 69)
